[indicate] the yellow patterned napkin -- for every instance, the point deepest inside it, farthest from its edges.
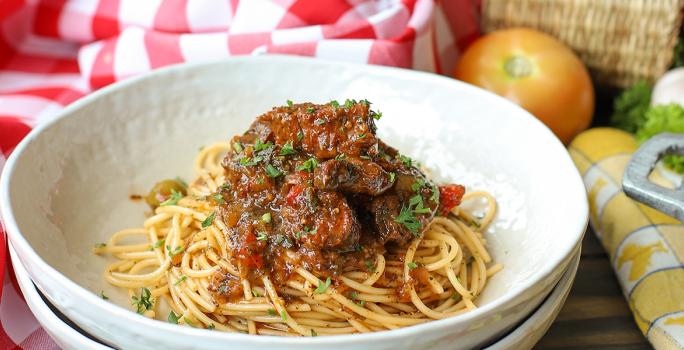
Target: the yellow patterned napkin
(646, 247)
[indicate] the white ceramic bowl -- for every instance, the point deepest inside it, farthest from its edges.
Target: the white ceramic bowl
(523, 337)
(66, 186)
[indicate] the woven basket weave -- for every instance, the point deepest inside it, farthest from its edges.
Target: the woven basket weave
(620, 41)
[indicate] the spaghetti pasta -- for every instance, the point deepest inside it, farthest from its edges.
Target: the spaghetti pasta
(177, 251)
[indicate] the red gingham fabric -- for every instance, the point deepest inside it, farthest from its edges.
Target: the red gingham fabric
(53, 52)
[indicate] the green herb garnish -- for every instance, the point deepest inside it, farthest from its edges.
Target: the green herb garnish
(287, 149)
(309, 165)
(144, 302)
(370, 266)
(322, 287)
(334, 104)
(189, 323)
(406, 160)
(408, 219)
(211, 327)
(341, 156)
(173, 200)
(283, 315)
(310, 110)
(392, 176)
(289, 103)
(300, 135)
(209, 220)
(100, 245)
(262, 236)
(219, 198)
(172, 318)
(103, 296)
(175, 251)
(159, 243)
(272, 171)
(260, 146)
(313, 333)
(180, 280)
(271, 312)
(255, 293)
(435, 194)
(412, 265)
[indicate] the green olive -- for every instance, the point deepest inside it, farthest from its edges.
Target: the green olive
(162, 190)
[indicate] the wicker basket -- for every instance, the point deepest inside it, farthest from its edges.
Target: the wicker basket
(621, 41)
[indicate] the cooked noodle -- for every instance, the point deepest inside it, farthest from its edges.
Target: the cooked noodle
(452, 251)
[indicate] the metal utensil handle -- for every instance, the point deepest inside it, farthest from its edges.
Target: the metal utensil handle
(635, 181)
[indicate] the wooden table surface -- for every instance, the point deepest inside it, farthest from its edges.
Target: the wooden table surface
(595, 315)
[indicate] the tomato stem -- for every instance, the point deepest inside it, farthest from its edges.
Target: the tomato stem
(518, 67)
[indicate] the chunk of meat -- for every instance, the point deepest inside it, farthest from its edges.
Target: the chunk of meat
(352, 175)
(319, 219)
(323, 131)
(384, 210)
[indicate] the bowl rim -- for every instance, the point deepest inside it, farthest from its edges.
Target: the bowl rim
(23, 246)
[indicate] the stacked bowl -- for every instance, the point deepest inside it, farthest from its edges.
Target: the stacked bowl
(67, 186)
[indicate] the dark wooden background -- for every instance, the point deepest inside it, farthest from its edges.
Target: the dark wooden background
(595, 315)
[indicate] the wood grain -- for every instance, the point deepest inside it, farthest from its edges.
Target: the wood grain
(595, 315)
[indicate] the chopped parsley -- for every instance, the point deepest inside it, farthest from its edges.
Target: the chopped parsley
(260, 146)
(341, 156)
(175, 251)
(354, 295)
(272, 171)
(287, 149)
(144, 302)
(349, 103)
(255, 293)
(271, 312)
(370, 266)
(322, 287)
(319, 121)
(361, 303)
(209, 220)
(289, 103)
(365, 102)
(392, 176)
(219, 198)
(361, 136)
(300, 135)
(180, 280)
(310, 110)
(248, 161)
(417, 202)
(173, 200)
(417, 185)
(100, 245)
(335, 104)
(376, 115)
(365, 157)
(435, 194)
(408, 219)
(406, 160)
(266, 218)
(103, 296)
(283, 315)
(309, 165)
(238, 147)
(412, 265)
(159, 243)
(262, 236)
(172, 318)
(313, 333)
(211, 327)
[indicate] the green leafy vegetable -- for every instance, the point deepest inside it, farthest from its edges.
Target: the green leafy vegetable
(289, 103)
(664, 118)
(407, 218)
(406, 160)
(260, 146)
(631, 106)
(310, 110)
(335, 104)
(238, 147)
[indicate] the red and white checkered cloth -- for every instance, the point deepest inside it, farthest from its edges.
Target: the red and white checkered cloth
(53, 52)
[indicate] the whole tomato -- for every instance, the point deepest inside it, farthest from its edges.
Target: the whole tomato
(537, 72)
